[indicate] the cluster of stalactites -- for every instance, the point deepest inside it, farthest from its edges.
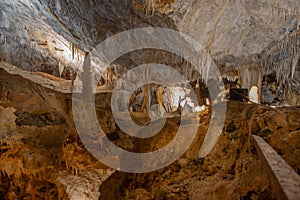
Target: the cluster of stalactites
(150, 6)
(283, 59)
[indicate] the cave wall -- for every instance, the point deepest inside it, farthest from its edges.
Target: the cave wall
(41, 153)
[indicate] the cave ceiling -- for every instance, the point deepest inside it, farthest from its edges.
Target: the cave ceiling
(43, 35)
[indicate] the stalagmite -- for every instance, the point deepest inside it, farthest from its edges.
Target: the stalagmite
(250, 76)
(253, 94)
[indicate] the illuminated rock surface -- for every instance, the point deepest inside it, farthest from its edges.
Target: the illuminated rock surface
(42, 48)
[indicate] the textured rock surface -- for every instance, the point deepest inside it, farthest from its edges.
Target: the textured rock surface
(41, 154)
(238, 28)
(52, 36)
(232, 171)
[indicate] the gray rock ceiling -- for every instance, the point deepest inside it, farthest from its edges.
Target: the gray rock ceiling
(42, 35)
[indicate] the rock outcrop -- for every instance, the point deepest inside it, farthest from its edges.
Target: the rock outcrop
(43, 46)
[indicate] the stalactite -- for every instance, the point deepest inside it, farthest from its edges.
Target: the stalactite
(60, 68)
(272, 14)
(3, 39)
(285, 65)
(73, 50)
(32, 44)
(150, 6)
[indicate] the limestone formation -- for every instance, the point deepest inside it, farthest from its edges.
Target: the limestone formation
(46, 52)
